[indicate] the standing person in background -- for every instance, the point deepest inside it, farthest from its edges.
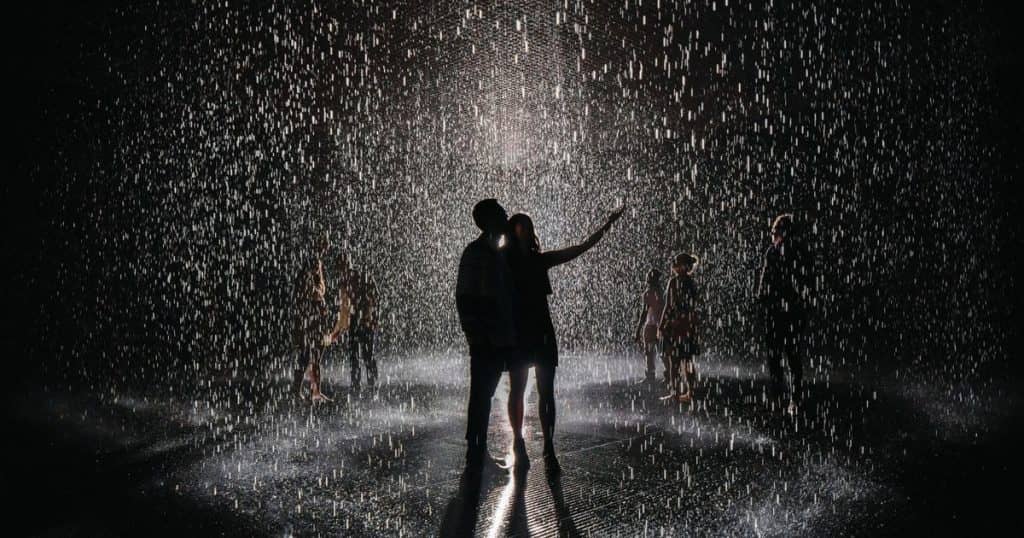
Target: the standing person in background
(781, 293)
(678, 327)
(652, 303)
(362, 329)
(343, 299)
(312, 323)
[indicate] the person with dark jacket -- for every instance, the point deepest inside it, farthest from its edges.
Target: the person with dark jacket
(781, 293)
(485, 298)
(537, 344)
(362, 328)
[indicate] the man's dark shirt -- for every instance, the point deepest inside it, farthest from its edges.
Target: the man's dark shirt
(782, 286)
(484, 295)
(364, 302)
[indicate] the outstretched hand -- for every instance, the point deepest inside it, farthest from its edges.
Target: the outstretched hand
(613, 217)
(607, 224)
(597, 235)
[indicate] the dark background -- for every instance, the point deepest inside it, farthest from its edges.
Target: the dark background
(100, 290)
(132, 233)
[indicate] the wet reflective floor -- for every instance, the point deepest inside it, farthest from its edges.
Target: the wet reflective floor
(886, 456)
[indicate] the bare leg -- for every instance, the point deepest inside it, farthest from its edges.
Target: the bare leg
(314, 380)
(675, 368)
(545, 376)
(649, 351)
(517, 389)
(546, 390)
(516, 392)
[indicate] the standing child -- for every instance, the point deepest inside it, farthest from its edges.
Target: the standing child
(678, 327)
(652, 303)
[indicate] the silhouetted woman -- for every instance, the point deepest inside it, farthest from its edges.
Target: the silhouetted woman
(537, 346)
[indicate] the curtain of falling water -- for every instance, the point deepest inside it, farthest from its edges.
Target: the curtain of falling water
(225, 138)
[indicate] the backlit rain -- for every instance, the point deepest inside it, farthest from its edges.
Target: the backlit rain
(184, 165)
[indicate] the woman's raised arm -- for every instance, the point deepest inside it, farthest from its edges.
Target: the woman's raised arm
(552, 258)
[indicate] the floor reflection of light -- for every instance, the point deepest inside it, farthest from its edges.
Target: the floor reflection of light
(501, 507)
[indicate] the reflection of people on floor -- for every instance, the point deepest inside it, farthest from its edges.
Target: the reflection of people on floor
(463, 510)
(566, 525)
(362, 328)
(652, 303)
(485, 300)
(781, 293)
(678, 327)
(312, 323)
(518, 521)
(537, 345)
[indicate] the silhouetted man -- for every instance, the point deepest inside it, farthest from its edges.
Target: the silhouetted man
(781, 292)
(484, 297)
(362, 328)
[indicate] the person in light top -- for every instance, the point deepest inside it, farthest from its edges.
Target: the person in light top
(652, 303)
(678, 327)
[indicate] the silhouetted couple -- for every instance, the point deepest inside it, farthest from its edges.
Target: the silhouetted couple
(317, 326)
(501, 295)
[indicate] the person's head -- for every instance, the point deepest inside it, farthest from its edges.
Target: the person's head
(489, 216)
(781, 227)
(654, 278)
(684, 263)
(522, 228)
